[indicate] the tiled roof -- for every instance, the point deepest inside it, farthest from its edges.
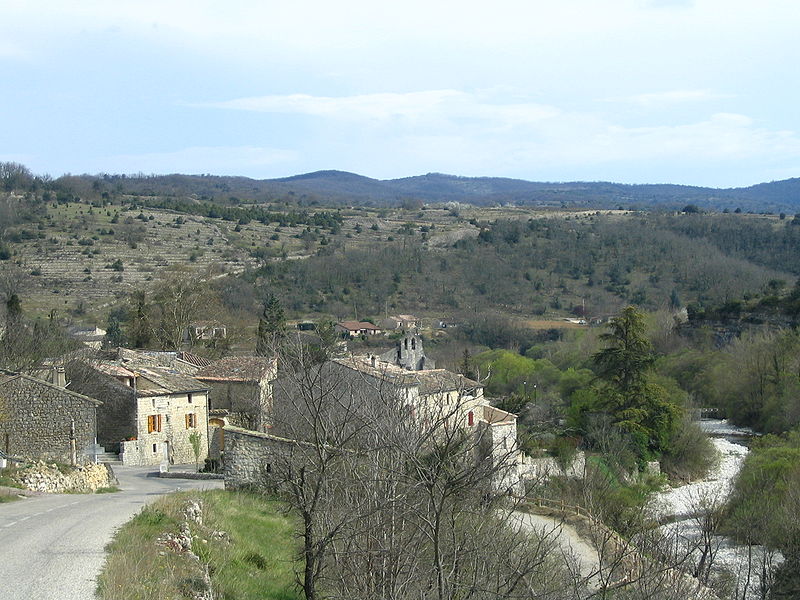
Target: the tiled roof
(114, 370)
(155, 381)
(238, 368)
(441, 380)
(8, 376)
(357, 325)
(193, 359)
(429, 381)
(185, 362)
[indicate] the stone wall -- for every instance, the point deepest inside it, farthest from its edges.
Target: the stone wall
(149, 447)
(39, 418)
(249, 456)
(116, 418)
(499, 445)
(541, 469)
(43, 477)
(245, 402)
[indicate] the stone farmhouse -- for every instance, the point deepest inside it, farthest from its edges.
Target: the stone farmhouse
(148, 412)
(41, 420)
(206, 330)
(401, 322)
(90, 336)
(353, 329)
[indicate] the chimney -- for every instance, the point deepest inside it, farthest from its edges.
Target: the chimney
(59, 377)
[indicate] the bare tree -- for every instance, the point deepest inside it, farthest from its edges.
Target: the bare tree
(397, 497)
(180, 297)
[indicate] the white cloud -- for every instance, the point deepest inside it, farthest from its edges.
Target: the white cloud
(529, 141)
(441, 106)
(543, 132)
(217, 160)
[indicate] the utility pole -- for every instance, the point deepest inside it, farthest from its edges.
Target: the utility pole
(73, 448)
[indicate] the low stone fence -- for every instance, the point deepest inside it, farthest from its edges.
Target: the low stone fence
(250, 454)
(46, 477)
(132, 453)
(189, 475)
(541, 469)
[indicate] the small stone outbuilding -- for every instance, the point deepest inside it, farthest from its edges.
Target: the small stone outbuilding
(41, 420)
(240, 394)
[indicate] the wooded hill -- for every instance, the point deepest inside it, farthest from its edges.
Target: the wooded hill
(338, 187)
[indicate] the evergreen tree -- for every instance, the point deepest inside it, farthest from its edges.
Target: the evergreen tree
(636, 404)
(114, 336)
(626, 359)
(140, 331)
(271, 326)
(466, 366)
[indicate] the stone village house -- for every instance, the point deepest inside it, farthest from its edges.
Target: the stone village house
(230, 391)
(240, 393)
(423, 393)
(41, 420)
(148, 412)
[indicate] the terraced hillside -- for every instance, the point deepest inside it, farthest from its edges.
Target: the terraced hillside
(81, 258)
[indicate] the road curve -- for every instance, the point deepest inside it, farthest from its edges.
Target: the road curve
(579, 556)
(52, 547)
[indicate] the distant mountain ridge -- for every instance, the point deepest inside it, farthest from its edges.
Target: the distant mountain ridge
(342, 187)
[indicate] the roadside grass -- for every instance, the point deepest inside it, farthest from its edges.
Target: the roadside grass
(6, 479)
(254, 558)
(107, 490)
(6, 496)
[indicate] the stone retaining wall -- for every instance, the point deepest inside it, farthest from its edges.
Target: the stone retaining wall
(43, 477)
(541, 469)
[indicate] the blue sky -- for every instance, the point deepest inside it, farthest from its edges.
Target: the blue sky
(698, 92)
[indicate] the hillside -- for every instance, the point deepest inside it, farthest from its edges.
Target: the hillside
(342, 188)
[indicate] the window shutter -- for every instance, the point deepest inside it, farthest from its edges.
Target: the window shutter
(158, 428)
(188, 421)
(150, 424)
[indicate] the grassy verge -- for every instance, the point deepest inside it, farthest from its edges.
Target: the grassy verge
(253, 559)
(7, 480)
(6, 497)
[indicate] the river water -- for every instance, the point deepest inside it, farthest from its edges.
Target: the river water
(679, 506)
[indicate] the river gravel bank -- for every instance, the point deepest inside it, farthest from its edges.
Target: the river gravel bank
(684, 506)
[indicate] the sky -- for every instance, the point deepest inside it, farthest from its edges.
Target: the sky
(696, 92)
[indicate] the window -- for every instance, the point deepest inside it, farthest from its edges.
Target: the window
(413, 343)
(153, 423)
(191, 420)
(471, 418)
(189, 397)
(155, 448)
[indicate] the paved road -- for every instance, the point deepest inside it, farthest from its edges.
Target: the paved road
(579, 556)
(52, 546)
